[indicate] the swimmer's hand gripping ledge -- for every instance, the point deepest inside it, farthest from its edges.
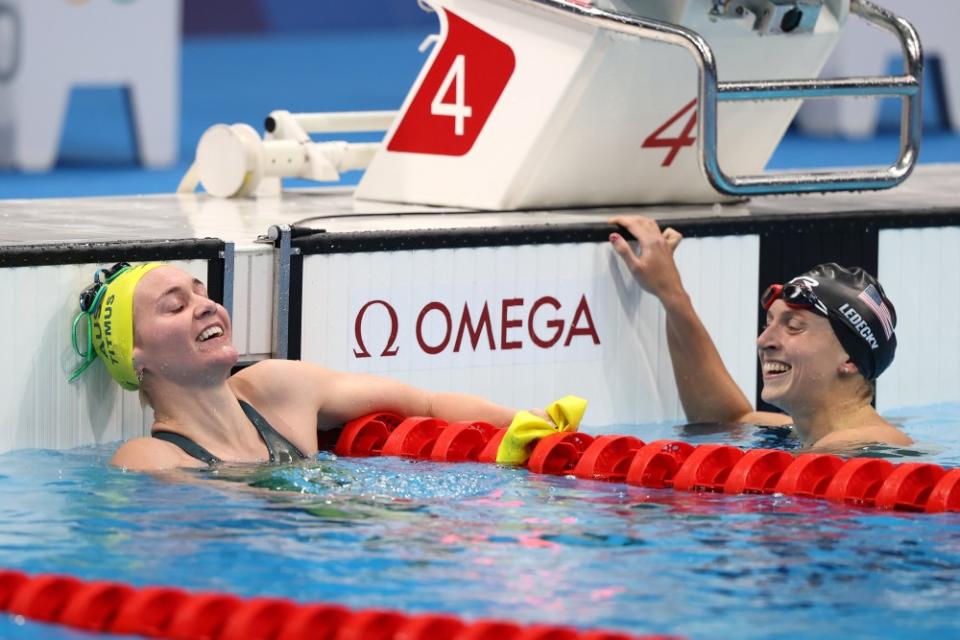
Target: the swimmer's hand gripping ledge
(527, 428)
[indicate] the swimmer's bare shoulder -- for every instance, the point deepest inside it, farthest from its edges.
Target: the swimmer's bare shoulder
(151, 454)
(765, 419)
(281, 381)
(878, 432)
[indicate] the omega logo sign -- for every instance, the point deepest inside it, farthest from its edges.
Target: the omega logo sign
(509, 323)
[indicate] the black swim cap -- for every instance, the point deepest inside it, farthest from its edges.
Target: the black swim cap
(862, 317)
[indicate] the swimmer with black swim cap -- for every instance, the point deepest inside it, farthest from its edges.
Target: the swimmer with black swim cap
(830, 333)
(156, 329)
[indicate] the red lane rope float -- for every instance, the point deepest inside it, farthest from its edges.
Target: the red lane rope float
(858, 481)
(758, 471)
(462, 442)
(866, 482)
(707, 468)
(413, 438)
(161, 612)
(366, 435)
(945, 495)
(558, 454)
(656, 464)
(809, 475)
(608, 458)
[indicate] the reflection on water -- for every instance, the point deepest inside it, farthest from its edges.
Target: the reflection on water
(896, 454)
(483, 541)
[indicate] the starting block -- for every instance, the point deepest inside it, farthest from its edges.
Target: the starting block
(527, 104)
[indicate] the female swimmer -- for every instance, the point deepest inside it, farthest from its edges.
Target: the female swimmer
(830, 332)
(157, 330)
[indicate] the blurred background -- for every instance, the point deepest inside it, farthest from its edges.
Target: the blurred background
(236, 60)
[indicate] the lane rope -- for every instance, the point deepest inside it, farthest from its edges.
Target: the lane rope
(166, 612)
(866, 482)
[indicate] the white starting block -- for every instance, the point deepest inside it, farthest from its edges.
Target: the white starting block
(555, 103)
(47, 47)
(865, 50)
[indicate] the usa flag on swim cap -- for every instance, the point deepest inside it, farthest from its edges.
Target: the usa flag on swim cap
(872, 298)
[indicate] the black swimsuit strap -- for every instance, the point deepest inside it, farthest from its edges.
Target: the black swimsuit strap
(189, 447)
(278, 446)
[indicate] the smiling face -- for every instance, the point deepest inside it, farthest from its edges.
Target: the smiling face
(801, 358)
(180, 333)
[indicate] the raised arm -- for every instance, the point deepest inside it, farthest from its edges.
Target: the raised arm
(707, 390)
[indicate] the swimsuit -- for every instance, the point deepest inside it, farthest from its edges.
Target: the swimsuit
(281, 450)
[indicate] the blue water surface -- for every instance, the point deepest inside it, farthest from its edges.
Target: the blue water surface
(484, 541)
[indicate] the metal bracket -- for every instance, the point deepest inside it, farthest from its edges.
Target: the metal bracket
(907, 86)
(229, 268)
(280, 234)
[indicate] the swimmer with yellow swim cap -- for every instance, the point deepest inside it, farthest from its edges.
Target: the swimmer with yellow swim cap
(156, 329)
(108, 308)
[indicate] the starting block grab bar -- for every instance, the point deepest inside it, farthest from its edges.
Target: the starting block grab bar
(711, 92)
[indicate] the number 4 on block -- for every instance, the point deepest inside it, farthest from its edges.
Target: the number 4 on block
(457, 94)
(685, 139)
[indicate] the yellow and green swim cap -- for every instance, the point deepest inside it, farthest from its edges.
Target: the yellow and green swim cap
(108, 307)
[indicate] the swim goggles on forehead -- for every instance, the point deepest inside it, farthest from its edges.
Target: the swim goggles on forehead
(89, 303)
(796, 295)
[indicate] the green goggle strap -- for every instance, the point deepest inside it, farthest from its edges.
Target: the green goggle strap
(89, 354)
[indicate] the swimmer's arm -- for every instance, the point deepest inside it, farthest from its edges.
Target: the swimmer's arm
(352, 395)
(337, 397)
(707, 390)
(347, 396)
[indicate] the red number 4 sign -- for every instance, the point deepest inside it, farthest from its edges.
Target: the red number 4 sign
(458, 93)
(674, 144)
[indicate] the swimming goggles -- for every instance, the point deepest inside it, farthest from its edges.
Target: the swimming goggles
(89, 303)
(796, 295)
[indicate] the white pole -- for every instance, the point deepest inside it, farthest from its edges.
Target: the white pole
(343, 122)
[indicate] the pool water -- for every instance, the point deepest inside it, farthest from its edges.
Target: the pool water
(484, 541)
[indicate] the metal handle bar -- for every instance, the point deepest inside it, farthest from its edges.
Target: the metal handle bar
(711, 91)
(279, 122)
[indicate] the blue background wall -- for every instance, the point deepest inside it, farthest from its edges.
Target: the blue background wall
(233, 16)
